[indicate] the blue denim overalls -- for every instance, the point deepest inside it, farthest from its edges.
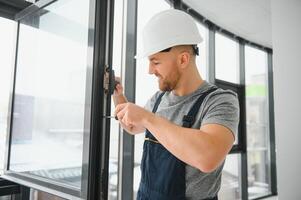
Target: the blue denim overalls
(162, 174)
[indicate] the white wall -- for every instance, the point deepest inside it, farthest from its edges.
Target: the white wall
(286, 33)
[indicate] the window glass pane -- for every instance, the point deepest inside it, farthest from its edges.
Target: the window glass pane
(114, 130)
(201, 60)
(5, 198)
(39, 195)
(257, 122)
(230, 187)
(226, 59)
(8, 28)
(50, 107)
(146, 85)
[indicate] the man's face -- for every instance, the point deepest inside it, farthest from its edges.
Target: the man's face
(164, 66)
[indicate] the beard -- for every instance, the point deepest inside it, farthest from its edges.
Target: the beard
(170, 82)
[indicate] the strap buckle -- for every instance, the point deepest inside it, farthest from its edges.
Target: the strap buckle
(151, 140)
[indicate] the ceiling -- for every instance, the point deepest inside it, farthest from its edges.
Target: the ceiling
(8, 8)
(249, 19)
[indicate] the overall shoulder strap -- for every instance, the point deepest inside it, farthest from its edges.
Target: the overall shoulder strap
(148, 135)
(158, 100)
(188, 120)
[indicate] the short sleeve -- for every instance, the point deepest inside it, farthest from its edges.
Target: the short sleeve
(222, 109)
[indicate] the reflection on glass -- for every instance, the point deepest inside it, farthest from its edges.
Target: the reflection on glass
(230, 187)
(7, 28)
(201, 60)
(50, 91)
(39, 195)
(146, 85)
(226, 59)
(257, 122)
(5, 198)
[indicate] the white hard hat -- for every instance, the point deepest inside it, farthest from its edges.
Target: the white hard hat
(167, 29)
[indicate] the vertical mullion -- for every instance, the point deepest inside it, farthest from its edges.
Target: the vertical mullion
(126, 141)
(107, 110)
(177, 4)
(211, 54)
(25, 193)
(243, 136)
(11, 104)
(242, 79)
(97, 170)
(244, 176)
(272, 125)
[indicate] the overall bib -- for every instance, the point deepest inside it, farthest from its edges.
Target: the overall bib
(162, 174)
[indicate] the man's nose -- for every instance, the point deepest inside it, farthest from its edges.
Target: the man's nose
(150, 69)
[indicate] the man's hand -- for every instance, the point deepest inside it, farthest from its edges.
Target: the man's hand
(118, 88)
(118, 96)
(131, 117)
(121, 110)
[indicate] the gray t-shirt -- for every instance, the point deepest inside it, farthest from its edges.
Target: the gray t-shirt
(219, 107)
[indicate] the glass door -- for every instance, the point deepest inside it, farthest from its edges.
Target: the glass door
(57, 135)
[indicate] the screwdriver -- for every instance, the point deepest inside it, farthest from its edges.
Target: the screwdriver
(110, 117)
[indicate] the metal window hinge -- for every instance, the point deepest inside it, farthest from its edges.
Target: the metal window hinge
(106, 79)
(109, 82)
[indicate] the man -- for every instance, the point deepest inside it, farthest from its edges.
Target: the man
(190, 125)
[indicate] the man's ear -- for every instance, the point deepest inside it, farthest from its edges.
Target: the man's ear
(184, 59)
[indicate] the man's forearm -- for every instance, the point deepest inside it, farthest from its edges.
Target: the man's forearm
(192, 146)
(120, 99)
(133, 130)
(176, 139)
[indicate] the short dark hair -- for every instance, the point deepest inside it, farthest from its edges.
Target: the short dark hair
(166, 50)
(194, 47)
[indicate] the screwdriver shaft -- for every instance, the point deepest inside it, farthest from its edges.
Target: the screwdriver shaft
(115, 117)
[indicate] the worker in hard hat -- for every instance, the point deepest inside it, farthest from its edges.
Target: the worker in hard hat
(190, 125)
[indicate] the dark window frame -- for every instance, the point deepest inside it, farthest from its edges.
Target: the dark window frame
(100, 29)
